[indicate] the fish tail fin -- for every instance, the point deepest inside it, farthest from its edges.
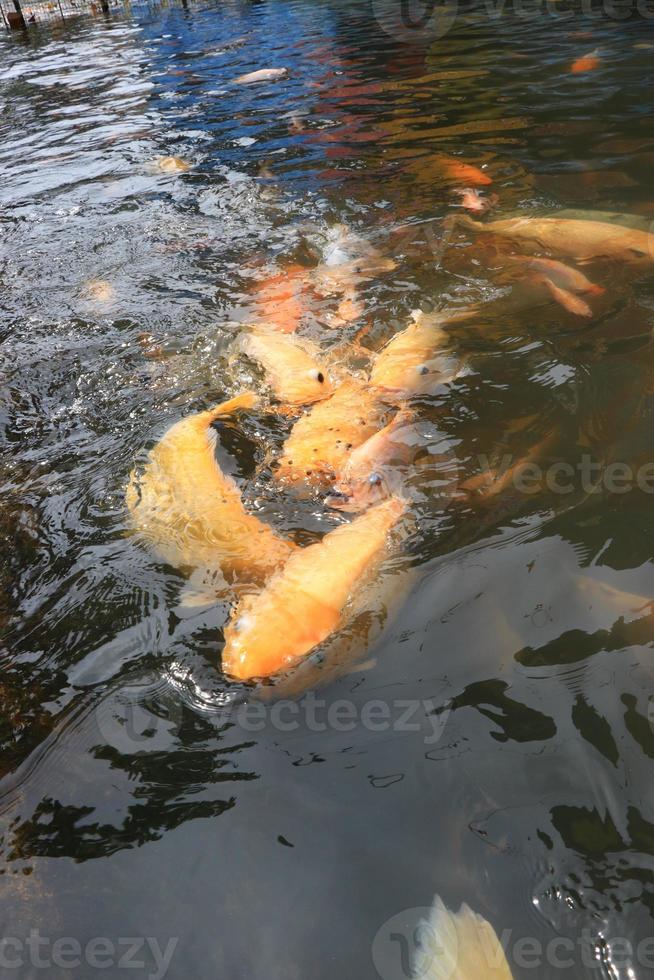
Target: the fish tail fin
(596, 290)
(246, 399)
(462, 945)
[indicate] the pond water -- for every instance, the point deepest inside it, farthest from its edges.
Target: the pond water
(494, 744)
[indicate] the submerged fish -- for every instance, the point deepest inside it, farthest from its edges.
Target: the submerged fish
(459, 170)
(319, 443)
(294, 368)
(580, 239)
(562, 275)
(414, 361)
(348, 260)
(171, 165)
(262, 75)
(566, 299)
(587, 62)
(458, 946)
(191, 513)
(279, 299)
(99, 290)
(362, 481)
(472, 200)
(307, 600)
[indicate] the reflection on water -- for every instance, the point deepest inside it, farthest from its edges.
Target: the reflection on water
(130, 767)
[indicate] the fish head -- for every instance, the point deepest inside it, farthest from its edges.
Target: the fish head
(359, 494)
(307, 387)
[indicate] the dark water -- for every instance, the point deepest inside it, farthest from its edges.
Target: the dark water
(137, 800)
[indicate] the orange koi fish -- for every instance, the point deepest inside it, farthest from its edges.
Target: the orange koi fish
(459, 170)
(279, 299)
(319, 443)
(306, 601)
(191, 513)
(587, 62)
(409, 363)
(293, 367)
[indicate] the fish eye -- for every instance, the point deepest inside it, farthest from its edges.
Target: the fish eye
(374, 479)
(423, 369)
(317, 375)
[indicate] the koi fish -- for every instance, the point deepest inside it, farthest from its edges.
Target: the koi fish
(307, 599)
(171, 165)
(293, 366)
(570, 302)
(99, 290)
(263, 75)
(577, 238)
(407, 366)
(563, 276)
(278, 299)
(472, 200)
(587, 62)
(461, 945)
(319, 442)
(348, 260)
(459, 170)
(361, 482)
(192, 514)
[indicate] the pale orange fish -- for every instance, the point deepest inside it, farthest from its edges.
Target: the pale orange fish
(458, 945)
(171, 165)
(99, 290)
(580, 239)
(459, 170)
(192, 514)
(587, 62)
(306, 601)
(294, 367)
(472, 200)
(492, 481)
(416, 359)
(362, 480)
(564, 276)
(263, 75)
(319, 442)
(279, 299)
(566, 299)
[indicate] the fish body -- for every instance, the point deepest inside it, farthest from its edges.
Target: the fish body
(306, 601)
(587, 62)
(262, 75)
(579, 239)
(414, 361)
(319, 443)
(172, 165)
(99, 290)
(459, 170)
(564, 276)
(458, 946)
(361, 481)
(279, 299)
(348, 259)
(293, 367)
(191, 513)
(566, 299)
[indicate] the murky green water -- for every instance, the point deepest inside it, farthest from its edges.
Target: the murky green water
(496, 746)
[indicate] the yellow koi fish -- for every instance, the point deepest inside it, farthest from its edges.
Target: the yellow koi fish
(578, 238)
(409, 363)
(319, 443)
(293, 366)
(262, 75)
(458, 946)
(306, 600)
(171, 165)
(191, 513)
(361, 481)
